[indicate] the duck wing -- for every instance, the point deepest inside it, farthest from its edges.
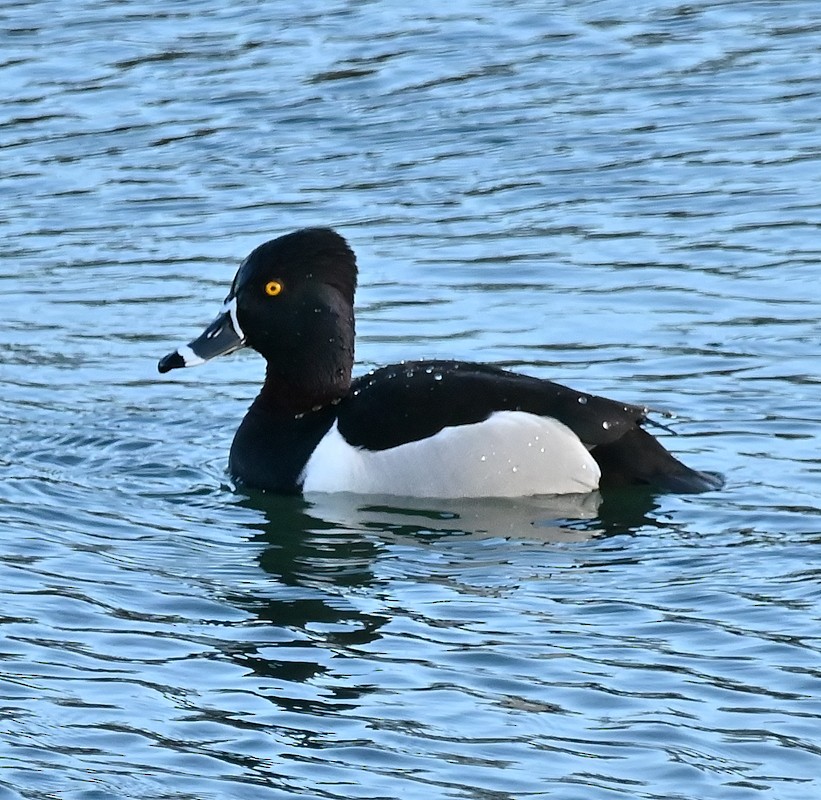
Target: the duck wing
(412, 401)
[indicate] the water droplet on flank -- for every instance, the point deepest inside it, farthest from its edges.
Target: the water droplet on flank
(541, 449)
(429, 370)
(356, 392)
(515, 469)
(409, 373)
(605, 425)
(331, 340)
(583, 401)
(483, 458)
(437, 376)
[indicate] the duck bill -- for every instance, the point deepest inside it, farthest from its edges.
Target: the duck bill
(224, 335)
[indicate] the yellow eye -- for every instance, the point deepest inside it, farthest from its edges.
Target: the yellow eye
(273, 288)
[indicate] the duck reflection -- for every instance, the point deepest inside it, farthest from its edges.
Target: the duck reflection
(548, 518)
(308, 607)
(322, 554)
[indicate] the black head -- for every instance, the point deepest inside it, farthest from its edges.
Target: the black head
(292, 302)
(310, 257)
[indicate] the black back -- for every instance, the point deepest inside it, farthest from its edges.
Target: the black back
(411, 401)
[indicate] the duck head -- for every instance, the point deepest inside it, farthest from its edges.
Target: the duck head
(291, 301)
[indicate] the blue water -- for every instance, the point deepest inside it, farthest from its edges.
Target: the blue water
(623, 198)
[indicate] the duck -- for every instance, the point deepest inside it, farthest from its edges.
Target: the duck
(424, 428)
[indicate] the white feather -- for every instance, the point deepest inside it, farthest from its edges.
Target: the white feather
(511, 454)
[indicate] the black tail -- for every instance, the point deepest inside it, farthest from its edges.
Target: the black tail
(638, 458)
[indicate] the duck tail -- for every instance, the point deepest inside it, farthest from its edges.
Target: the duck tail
(639, 459)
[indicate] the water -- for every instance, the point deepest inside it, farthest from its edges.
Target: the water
(625, 200)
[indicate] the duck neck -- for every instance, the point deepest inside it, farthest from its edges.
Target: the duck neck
(309, 360)
(306, 385)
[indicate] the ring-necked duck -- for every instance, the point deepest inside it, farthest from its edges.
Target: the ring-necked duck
(420, 428)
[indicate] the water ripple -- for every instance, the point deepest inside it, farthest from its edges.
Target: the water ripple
(626, 203)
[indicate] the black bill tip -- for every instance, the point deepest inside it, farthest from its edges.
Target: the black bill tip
(171, 361)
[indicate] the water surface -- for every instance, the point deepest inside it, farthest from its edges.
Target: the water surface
(624, 200)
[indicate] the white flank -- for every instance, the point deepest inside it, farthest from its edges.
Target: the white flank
(511, 454)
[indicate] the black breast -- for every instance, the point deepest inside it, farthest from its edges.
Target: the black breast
(270, 449)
